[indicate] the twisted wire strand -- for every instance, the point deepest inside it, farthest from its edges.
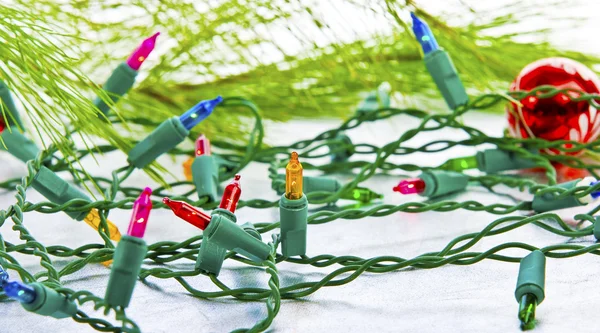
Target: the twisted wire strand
(456, 251)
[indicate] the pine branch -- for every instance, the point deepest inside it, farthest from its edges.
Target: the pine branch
(293, 58)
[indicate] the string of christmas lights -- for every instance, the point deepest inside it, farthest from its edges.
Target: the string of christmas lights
(223, 238)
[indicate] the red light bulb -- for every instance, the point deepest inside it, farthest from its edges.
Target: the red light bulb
(138, 56)
(410, 186)
(202, 146)
(231, 195)
(188, 213)
(2, 124)
(139, 216)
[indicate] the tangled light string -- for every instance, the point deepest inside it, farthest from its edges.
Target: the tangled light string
(351, 267)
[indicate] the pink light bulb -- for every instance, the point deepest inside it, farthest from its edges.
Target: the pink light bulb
(140, 213)
(202, 146)
(410, 186)
(138, 56)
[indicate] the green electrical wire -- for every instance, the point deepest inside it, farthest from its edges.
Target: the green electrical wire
(370, 160)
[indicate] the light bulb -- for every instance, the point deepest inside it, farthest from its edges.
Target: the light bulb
(93, 220)
(202, 146)
(188, 213)
(293, 178)
(19, 291)
(424, 35)
(410, 186)
(199, 112)
(140, 213)
(138, 56)
(231, 195)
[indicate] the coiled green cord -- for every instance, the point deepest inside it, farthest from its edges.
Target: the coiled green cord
(456, 252)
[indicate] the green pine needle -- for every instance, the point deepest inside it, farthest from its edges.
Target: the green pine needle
(289, 57)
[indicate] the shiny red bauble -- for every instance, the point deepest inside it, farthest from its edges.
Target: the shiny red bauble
(556, 118)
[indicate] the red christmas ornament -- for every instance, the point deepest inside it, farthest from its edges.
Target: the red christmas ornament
(556, 118)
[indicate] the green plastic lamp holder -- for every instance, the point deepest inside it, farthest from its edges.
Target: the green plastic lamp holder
(164, 138)
(18, 145)
(211, 256)
(293, 215)
(532, 276)
(223, 231)
(8, 107)
(310, 184)
(341, 155)
(251, 230)
(495, 160)
(118, 84)
(530, 287)
(548, 202)
(58, 191)
(48, 302)
(223, 165)
(205, 174)
(376, 100)
(127, 263)
(597, 228)
(438, 182)
(446, 78)
(369, 104)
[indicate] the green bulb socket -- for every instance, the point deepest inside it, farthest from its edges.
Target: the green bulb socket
(310, 184)
(18, 145)
(251, 230)
(118, 84)
(58, 191)
(547, 202)
(597, 228)
(48, 302)
(164, 138)
(495, 160)
(446, 78)
(532, 276)
(223, 232)
(341, 155)
(369, 104)
(8, 107)
(126, 266)
(438, 183)
(376, 100)
(211, 256)
(223, 165)
(293, 215)
(205, 173)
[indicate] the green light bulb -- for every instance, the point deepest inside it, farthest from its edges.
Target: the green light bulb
(527, 311)
(361, 194)
(460, 164)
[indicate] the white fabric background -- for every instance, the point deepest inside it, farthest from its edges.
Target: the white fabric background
(475, 298)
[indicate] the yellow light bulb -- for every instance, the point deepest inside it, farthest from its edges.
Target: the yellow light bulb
(293, 178)
(93, 220)
(187, 168)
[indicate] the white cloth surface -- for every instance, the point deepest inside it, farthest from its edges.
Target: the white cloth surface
(474, 298)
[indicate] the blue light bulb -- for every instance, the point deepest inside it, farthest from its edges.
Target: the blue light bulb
(424, 35)
(595, 194)
(19, 291)
(199, 112)
(3, 276)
